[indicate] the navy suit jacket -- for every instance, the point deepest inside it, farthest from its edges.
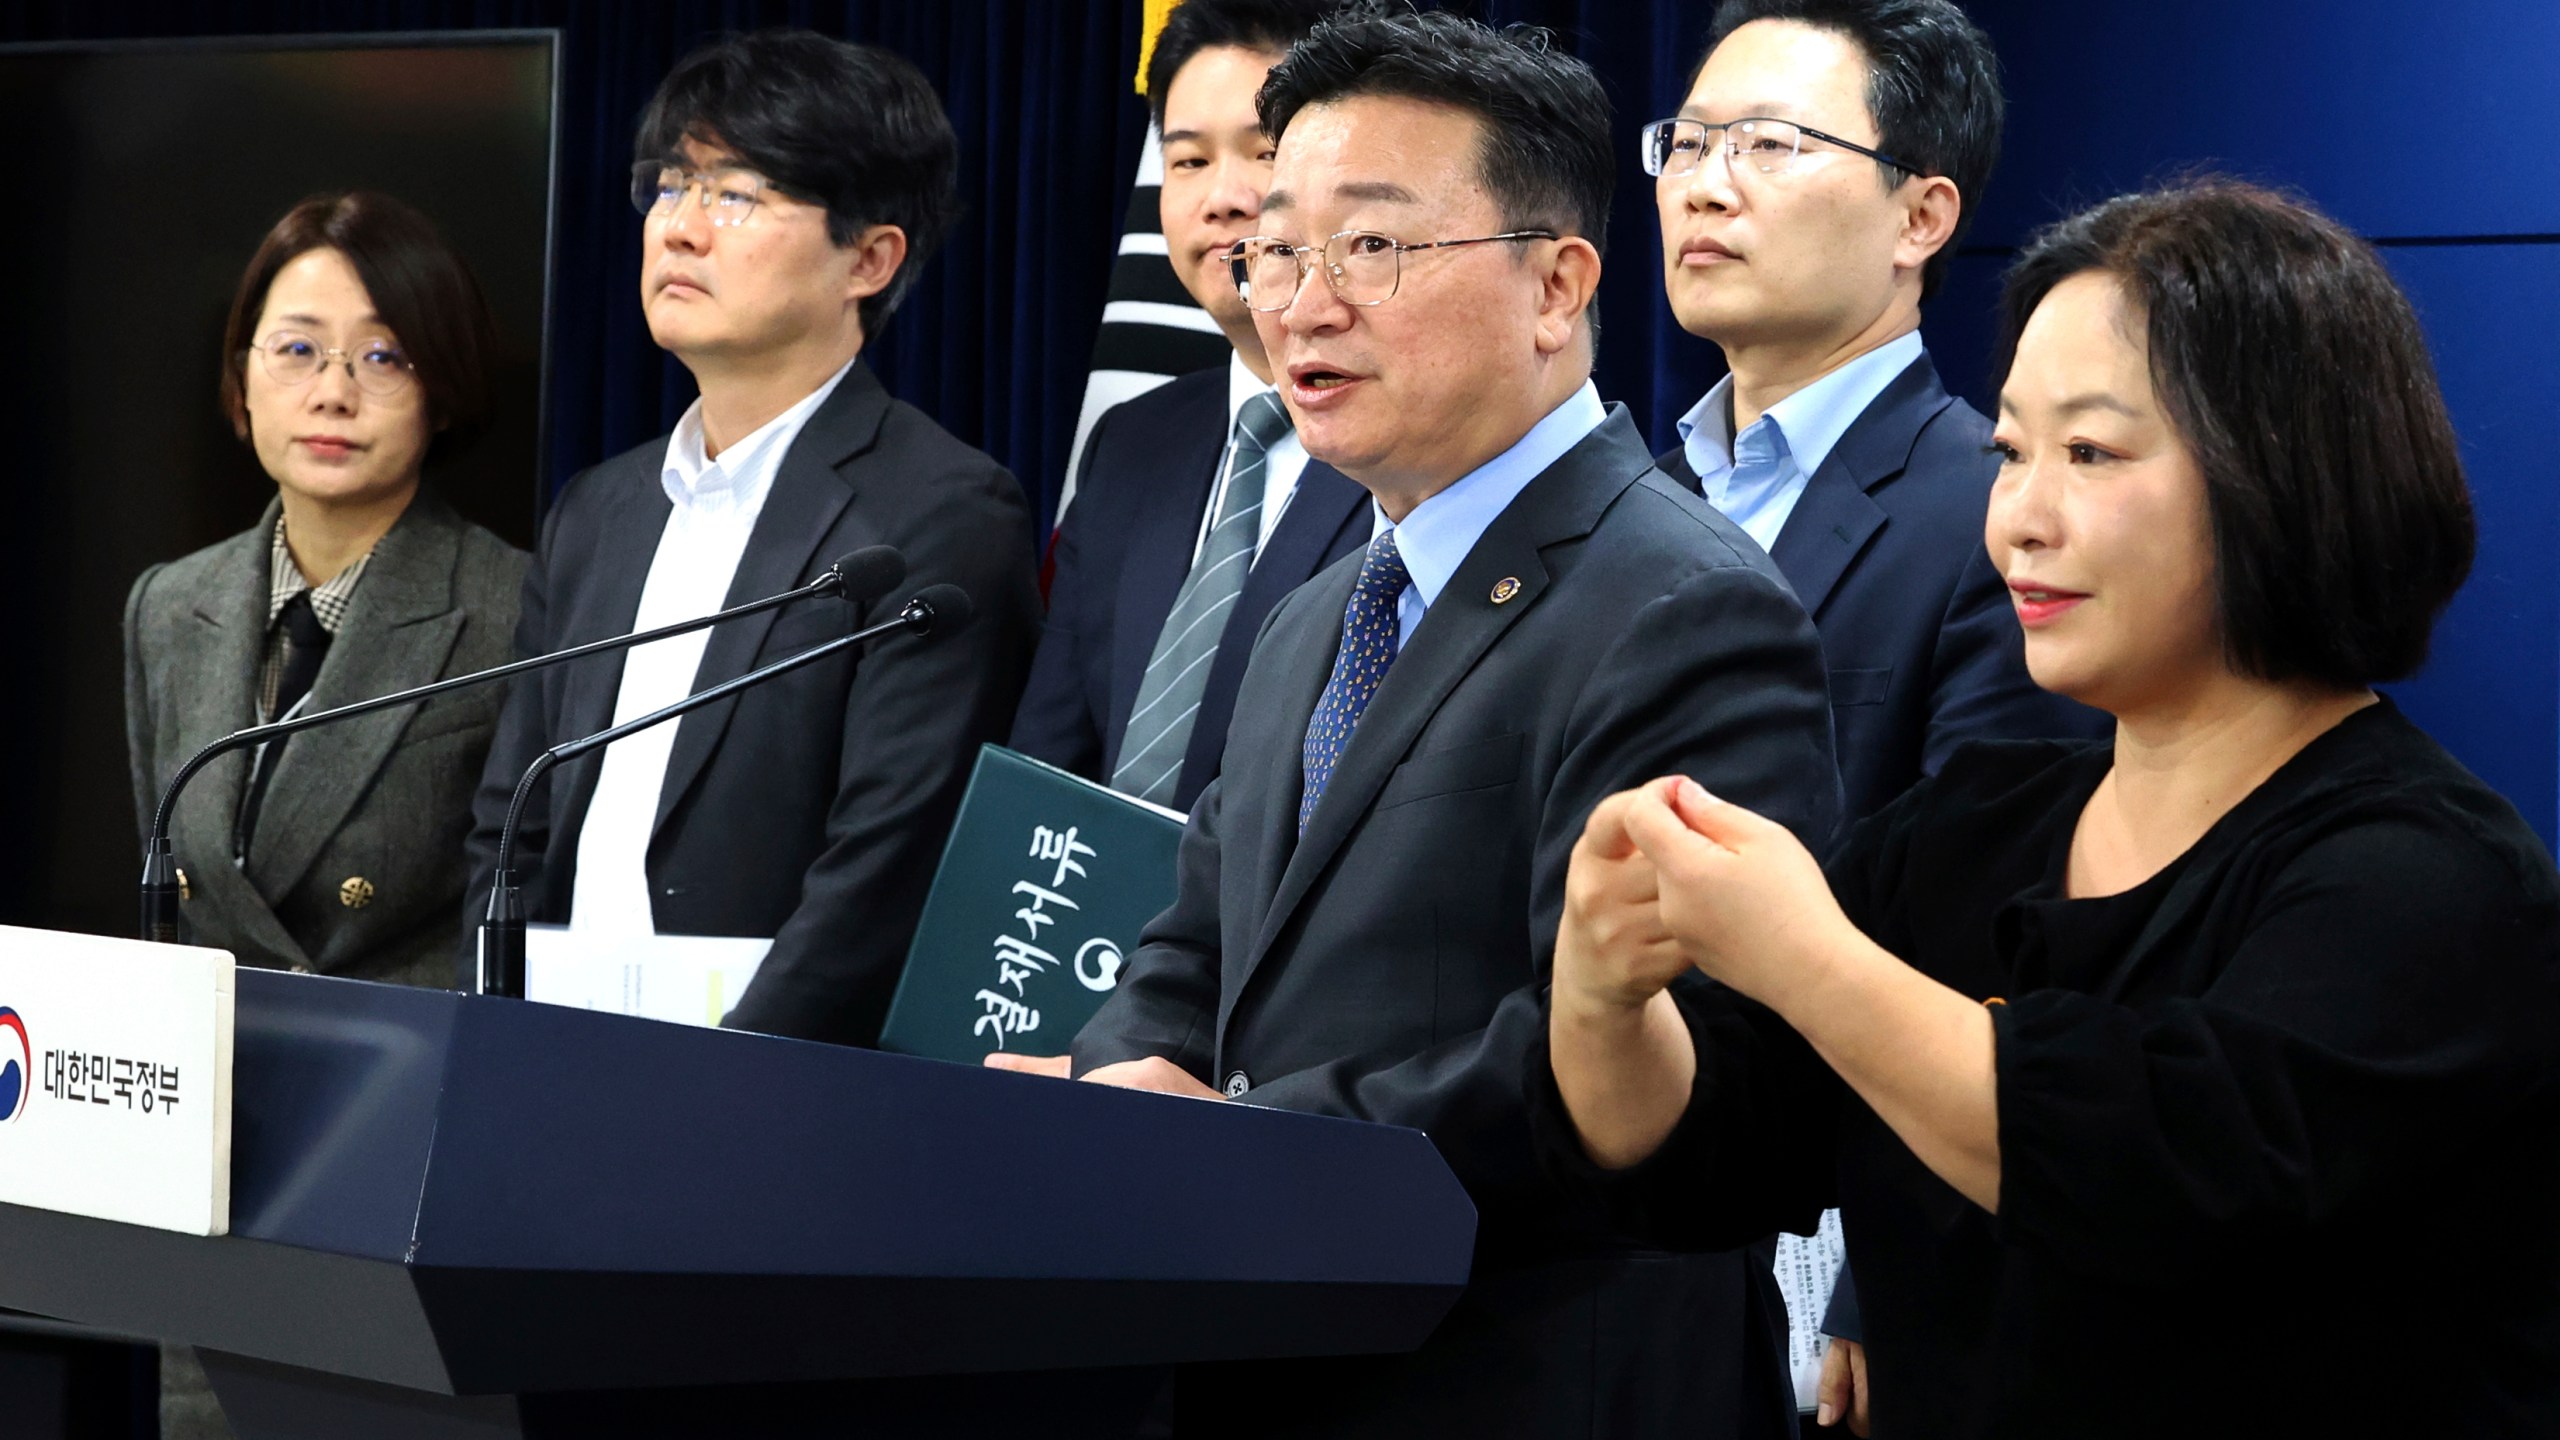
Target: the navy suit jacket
(1389, 964)
(1885, 550)
(1120, 559)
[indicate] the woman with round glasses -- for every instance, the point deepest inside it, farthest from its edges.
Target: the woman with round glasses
(357, 344)
(2201, 1082)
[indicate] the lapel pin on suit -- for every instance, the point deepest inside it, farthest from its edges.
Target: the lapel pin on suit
(355, 892)
(1505, 588)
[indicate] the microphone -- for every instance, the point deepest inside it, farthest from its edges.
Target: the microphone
(941, 610)
(935, 610)
(862, 576)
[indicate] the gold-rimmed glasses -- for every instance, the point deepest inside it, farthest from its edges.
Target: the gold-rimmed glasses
(292, 358)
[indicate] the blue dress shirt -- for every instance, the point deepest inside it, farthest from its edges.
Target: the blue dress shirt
(1437, 534)
(1758, 479)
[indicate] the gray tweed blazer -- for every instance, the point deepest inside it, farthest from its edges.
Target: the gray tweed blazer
(356, 867)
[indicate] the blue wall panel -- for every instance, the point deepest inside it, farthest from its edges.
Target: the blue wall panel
(2445, 126)
(2404, 121)
(2491, 691)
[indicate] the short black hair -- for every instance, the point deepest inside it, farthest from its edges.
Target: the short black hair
(1933, 89)
(855, 128)
(1545, 154)
(2296, 373)
(1269, 26)
(418, 285)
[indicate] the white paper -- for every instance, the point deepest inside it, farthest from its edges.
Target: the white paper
(687, 979)
(1808, 1266)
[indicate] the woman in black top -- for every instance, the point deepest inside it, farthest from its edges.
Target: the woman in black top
(2201, 1082)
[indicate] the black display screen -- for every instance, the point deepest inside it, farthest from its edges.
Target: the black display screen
(148, 173)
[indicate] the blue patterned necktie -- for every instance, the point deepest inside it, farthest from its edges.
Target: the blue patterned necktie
(1168, 701)
(1368, 648)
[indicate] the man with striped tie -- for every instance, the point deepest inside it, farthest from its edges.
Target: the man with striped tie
(1196, 508)
(1369, 891)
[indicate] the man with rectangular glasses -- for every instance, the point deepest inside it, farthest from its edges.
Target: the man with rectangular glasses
(1811, 191)
(1369, 891)
(789, 186)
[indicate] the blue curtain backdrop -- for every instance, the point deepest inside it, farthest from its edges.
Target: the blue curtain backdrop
(2313, 94)
(994, 341)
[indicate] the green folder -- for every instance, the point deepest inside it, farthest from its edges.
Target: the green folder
(1042, 892)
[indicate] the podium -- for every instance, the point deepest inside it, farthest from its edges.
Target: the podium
(465, 1216)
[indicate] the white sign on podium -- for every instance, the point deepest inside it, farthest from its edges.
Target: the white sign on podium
(115, 1079)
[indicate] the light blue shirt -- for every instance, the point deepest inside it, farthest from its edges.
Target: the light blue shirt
(1757, 480)
(1437, 534)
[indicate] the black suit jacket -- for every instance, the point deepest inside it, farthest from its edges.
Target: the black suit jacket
(1885, 549)
(1121, 555)
(814, 808)
(1388, 965)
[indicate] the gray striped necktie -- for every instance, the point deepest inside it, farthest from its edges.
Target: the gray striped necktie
(1178, 671)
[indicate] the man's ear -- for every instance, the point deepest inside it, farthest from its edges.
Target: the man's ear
(1929, 215)
(1568, 280)
(876, 254)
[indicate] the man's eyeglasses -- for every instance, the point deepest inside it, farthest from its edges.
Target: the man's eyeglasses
(1363, 266)
(1672, 148)
(291, 358)
(729, 194)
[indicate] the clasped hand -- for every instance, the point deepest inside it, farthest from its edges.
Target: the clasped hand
(1666, 877)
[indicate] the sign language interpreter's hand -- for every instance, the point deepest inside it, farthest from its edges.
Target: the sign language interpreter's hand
(1612, 950)
(1616, 1040)
(1746, 901)
(1751, 908)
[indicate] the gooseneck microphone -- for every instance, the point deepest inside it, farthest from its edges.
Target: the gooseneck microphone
(935, 610)
(863, 576)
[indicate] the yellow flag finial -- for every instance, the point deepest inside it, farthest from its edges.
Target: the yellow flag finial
(1152, 25)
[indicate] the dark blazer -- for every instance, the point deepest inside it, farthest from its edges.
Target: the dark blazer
(812, 809)
(1388, 965)
(356, 863)
(1121, 555)
(1885, 549)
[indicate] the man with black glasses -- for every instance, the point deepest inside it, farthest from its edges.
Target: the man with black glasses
(1369, 891)
(790, 187)
(1811, 191)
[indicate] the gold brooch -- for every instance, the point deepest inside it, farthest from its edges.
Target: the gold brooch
(355, 892)
(1505, 588)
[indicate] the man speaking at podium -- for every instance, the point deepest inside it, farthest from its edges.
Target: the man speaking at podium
(790, 187)
(1369, 893)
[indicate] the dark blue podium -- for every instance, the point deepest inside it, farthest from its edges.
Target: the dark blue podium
(461, 1216)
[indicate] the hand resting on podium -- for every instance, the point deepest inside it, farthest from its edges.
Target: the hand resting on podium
(1152, 1073)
